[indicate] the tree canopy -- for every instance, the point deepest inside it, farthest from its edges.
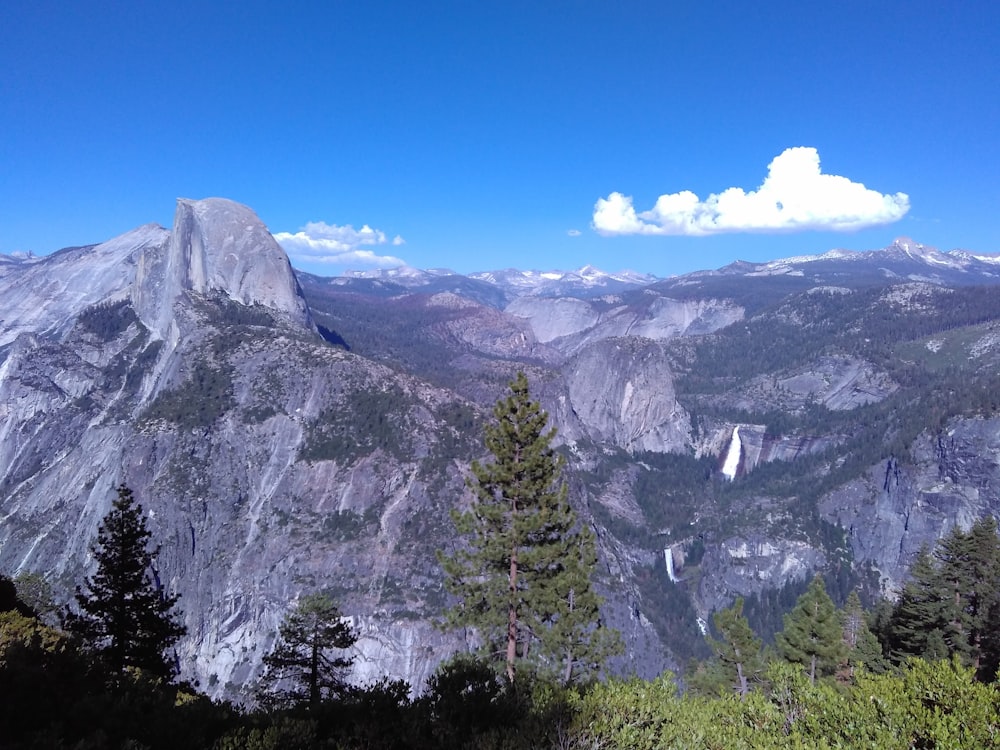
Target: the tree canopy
(124, 614)
(523, 576)
(307, 665)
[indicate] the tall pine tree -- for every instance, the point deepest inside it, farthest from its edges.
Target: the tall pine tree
(523, 578)
(951, 604)
(125, 616)
(813, 635)
(738, 653)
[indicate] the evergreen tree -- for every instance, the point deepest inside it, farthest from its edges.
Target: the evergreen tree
(125, 616)
(951, 604)
(862, 647)
(738, 653)
(918, 621)
(301, 668)
(523, 579)
(812, 635)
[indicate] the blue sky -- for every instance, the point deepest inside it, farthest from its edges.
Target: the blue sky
(527, 134)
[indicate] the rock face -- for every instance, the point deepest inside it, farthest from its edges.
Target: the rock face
(894, 509)
(189, 364)
(631, 405)
(218, 245)
(44, 295)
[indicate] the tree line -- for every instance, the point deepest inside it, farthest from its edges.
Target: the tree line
(917, 672)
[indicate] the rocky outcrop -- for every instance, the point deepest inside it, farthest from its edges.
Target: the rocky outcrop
(745, 565)
(571, 324)
(896, 508)
(44, 295)
(216, 245)
(631, 405)
(271, 464)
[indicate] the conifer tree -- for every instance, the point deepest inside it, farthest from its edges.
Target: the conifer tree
(523, 578)
(951, 603)
(812, 635)
(738, 652)
(125, 616)
(862, 647)
(301, 668)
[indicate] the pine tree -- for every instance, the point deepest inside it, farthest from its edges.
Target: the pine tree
(125, 616)
(918, 621)
(951, 603)
(812, 635)
(523, 579)
(301, 669)
(738, 653)
(861, 645)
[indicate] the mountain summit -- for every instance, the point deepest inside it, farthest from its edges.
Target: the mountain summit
(216, 245)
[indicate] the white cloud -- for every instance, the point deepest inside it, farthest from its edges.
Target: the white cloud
(573, 232)
(319, 242)
(795, 196)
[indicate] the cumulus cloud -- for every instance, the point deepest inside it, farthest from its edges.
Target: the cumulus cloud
(319, 242)
(795, 196)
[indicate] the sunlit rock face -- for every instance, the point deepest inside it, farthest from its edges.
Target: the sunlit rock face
(44, 295)
(622, 391)
(216, 245)
(271, 464)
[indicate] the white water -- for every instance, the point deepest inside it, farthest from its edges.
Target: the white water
(668, 558)
(732, 462)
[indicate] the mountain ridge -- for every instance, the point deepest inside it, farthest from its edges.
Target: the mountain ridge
(274, 463)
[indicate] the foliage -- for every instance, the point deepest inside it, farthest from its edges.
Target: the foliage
(107, 320)
(863, 649)
(669, 608)
(124, 615)
(813, 636)
(199, 401)
(36, 593)
(369, 419)
(301, 670)
(951, 604)
(737, 654)
(523, 580)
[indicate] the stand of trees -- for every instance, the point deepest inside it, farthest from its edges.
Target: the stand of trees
(917, 672)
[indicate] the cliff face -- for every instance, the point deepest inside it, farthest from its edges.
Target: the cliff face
(212, 397)
(216, 245)
(187, 364)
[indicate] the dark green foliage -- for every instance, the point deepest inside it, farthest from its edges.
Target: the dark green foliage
(225, 312)
(951, 604)
(737, 652)
(813, 636)
(862, 647)
(667, 605)
(399, 331)
(199, 401)
(367, 420)
(464, 698)
(306, 666)
(108, 319)
(523, 580)
(124, 616)
(36, 593)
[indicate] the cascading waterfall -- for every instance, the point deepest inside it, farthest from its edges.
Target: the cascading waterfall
(732, 462)
(668, 558)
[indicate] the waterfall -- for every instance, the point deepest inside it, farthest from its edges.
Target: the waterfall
(668, 558)
(732, 462)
